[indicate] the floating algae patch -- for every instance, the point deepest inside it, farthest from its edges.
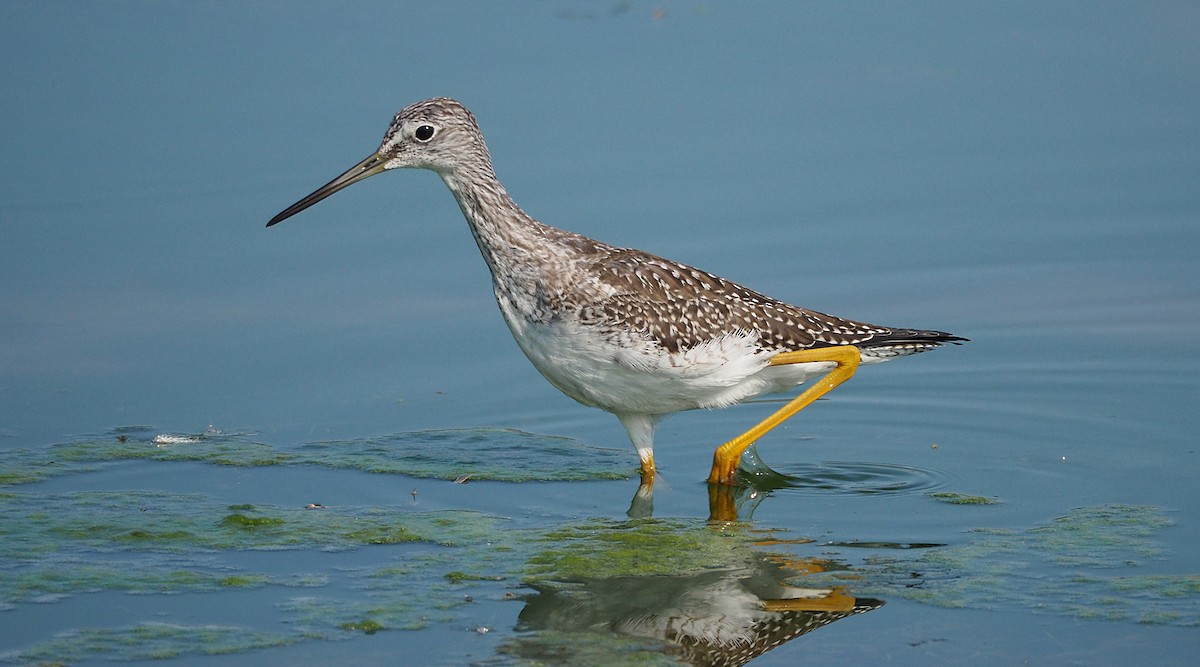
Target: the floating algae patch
(145, 641)
(601, 549)
(52, 546)
(56, 545)
(423, 589)
(239, 520)
(962, 498)
(479, 453)
(1102, 537)
(482, 453)
(367, 627)
(335, 617)
(33, 524)
(26, 466)
(57, 578)
(1083, 564)
(212, 447)
(411, 604)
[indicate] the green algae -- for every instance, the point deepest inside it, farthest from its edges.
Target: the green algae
(1085, 566)
(27, 466)
(460, 577)
(63, 577)
(497, 454)
(1082, 564)
(251, 522)
(243, 581)
(152, 543)
(59, 545)
(321, 617)
(96, 557)
(146, 641)
(31, 524)
(1102, 537)
(366, 626)
(645, 547)
(383, 535)
(405, 597)
(478, 453)
(55, 545)
(219, 449)
(962, 498)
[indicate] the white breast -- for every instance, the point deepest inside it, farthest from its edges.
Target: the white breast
(625, 373)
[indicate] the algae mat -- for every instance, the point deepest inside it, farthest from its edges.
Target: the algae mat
(574, 588)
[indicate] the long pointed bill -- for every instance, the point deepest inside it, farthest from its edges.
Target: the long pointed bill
(361, 171)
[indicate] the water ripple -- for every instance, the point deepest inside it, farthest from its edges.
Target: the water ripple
(842, 477)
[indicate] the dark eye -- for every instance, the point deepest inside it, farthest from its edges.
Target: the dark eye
(424, 133)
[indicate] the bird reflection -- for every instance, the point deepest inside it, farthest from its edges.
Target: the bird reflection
(723, 500)
(755, 480)
(714, 617)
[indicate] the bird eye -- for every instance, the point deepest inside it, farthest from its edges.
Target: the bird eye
(424, 133)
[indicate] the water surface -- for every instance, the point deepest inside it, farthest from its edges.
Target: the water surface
(227, 444)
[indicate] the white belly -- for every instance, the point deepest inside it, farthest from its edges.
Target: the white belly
(627, 374)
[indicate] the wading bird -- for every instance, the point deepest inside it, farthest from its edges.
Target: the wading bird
(620, 329)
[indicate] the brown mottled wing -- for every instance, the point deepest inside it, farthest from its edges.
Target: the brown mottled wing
(681, 307)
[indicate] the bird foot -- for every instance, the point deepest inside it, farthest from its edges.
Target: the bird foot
(724, 469)
(724, 479)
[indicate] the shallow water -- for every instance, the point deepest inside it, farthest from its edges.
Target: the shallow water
(223, 444)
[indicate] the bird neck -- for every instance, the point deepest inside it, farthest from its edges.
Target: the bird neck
(506, 235)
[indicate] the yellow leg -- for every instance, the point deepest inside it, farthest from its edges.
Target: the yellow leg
(835, 600)
(648, 470)
(725, 459)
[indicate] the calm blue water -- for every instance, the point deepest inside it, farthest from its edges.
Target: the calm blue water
(1023, 175)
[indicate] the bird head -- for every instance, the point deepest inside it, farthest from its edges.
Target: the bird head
(439, 134)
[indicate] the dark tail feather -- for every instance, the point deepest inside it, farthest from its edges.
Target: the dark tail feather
(913, 337)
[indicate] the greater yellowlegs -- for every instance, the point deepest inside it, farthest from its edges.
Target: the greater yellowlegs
(620, 329)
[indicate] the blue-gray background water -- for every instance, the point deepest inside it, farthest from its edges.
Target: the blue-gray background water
(1022, 174)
